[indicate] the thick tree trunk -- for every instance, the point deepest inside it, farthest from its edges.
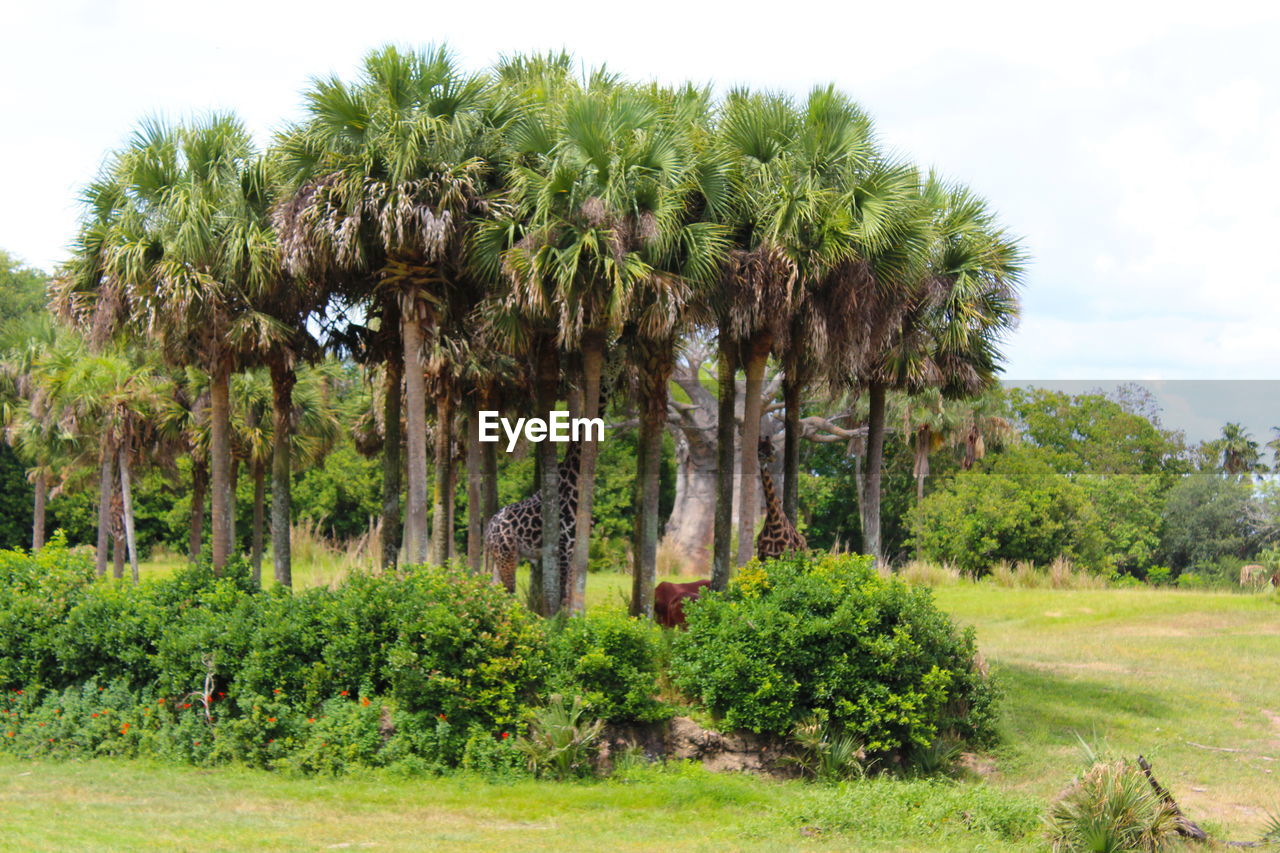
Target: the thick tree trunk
(875, 463)
(106, 486)
(691, 525)
(753, 406)
(126, 497)
(593, 354)
(441, 496)
(38, 514)
(415, 400)
(259, 520)
(391, 462)
(475, 491)
(791, 449)
(199, 486)
(549, 475)
(220, 462)
(726, 431)
(117, 555)
(282, 382)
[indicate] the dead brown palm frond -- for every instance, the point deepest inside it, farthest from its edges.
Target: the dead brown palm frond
(757, 287)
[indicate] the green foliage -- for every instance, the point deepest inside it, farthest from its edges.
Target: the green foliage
(1111, 808)
(1129, 513)
(612, 662)
(1088, 433)
(1014, 507)
(826, 755)
(827, 635)
(1206, 518)
(341, 494)
(561, 738)
(22, 289)
(280, 679)
(15, 501)
(36, 592)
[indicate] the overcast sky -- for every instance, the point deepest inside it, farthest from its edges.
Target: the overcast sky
(1136, 147)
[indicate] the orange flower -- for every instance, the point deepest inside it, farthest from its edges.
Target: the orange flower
(442, 719)
(10, 734)
(311, 719)
(344, 693)
(271, 719)
(160, 702)
(186, 704)
(95, 713)
(124, 729)
(364, 700)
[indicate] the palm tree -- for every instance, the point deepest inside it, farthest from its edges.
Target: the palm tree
(953, 275)
(1238, 453)
(386, 178)
(601, 188)
(171, 250)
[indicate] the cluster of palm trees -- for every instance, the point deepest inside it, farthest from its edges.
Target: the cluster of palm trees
(526, 235)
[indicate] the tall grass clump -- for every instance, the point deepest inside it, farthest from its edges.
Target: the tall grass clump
(1111, 808)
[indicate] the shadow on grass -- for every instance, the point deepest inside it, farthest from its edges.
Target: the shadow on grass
(1048, 708)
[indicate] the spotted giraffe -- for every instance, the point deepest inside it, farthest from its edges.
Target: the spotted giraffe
(778, 536)
(515, 531)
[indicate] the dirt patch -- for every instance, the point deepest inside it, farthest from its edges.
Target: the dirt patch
(681, 738)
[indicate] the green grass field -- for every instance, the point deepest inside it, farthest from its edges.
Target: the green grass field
(1188, 679)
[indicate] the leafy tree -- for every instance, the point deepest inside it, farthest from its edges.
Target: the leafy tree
(22, 289)
(1014, 506)
(1206, 518)
(1129, 507)
(1089, 433)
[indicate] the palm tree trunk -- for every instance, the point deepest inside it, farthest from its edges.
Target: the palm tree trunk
(549, 476)
(38, 514)
(875, 463)
(235, 488)
(199, 485)
(259, 511)
(220, 461)
(126, 496)
(726, 430)
(657, 365)
(415, 398)
(451, 509)
(117, 555)
(106, 483)
(391, 461)
(441, 531)
(791, 448)
(475, 492)
(593, 353)
(283, 379)
(753, 406)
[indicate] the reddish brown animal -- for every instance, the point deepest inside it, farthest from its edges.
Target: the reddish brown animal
(669, 599)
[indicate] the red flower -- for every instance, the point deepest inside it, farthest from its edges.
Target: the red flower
(344, 693)
(364, 700)
(442, 718)
(271, 740)
(186, 704)
(271, 719)
(42, 725)
(311, 719)
(124, 728)
(506, 735)
(197, 743)
(95, 713)
(276, 691)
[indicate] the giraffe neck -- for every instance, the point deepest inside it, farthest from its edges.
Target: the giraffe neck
(771, 496)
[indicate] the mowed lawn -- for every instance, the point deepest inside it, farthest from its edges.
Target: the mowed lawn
(1189, 679)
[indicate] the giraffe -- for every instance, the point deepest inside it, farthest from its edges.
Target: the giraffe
(515, 531)
(778, 536)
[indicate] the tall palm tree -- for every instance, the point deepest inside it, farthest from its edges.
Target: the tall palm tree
(386, 178)
(170, 251)
(1238, 453)
(953, 274)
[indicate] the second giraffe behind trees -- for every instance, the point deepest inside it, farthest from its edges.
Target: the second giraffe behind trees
(515, 531)
(778, 536)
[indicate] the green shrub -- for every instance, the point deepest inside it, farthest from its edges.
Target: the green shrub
(561, 739)
(611, 661)
(1111, 807)
(826, 634)
(36, 592)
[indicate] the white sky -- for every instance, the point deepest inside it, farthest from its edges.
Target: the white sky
(1135, 146)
